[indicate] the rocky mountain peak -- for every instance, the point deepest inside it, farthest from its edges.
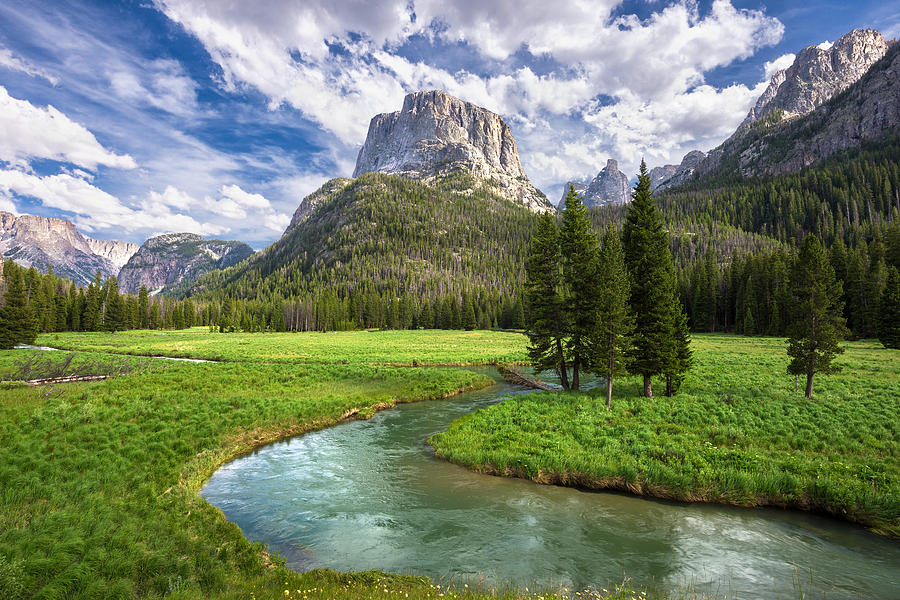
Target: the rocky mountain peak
(819, 73)
(610, 186)
(35, 241)
(435, 134)
(167, 260)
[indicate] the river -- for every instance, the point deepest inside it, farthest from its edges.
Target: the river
(371, 495)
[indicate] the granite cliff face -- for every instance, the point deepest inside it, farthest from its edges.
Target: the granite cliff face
(168, 260)
(579, 190)
(829, 99)
(673, 175)
(38, 242)
(610, 186)
(435, 134)
(819, 74)
(115, 252)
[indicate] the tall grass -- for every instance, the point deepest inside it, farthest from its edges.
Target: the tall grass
(98, 482)
(401, 348)
(738, 434)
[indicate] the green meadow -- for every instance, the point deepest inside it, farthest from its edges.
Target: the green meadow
(400, 348)
(738, 433)
(99, 480)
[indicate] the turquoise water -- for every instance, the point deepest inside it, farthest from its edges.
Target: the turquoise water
(371, 495)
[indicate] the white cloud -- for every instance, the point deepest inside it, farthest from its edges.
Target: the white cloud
(96, 209)
(779, 64)
(165, 86)
(7, 204)
(650, 68)
(28, 131)
(826, 45)
(233, 204)
(14, 63)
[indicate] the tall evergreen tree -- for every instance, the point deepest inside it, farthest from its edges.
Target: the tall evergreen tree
(818, 323)
(580, 247)
(17, 322)
(680, 358)
(114, 317)
(614, 323)
(652, 273)
(546, 324)
(144, 308)
(889, 313)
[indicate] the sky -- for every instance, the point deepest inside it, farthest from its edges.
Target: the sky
(136, 118)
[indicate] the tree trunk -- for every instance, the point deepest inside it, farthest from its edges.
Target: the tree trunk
(609, 392)
(576, 363)
(648, 390)
(563, 369)
(809, 381)
(669, 391)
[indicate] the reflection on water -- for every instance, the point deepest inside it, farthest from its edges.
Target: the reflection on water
(371, 495)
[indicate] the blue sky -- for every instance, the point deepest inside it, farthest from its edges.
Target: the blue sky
(134, 118)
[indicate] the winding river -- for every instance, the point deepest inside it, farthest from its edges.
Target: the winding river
(371, 495)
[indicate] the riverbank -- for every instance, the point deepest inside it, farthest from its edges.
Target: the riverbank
(737, 434)
(100, 479)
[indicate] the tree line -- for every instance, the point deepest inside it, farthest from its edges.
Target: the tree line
(35, 302)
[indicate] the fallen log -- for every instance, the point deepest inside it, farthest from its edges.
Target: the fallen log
(67, 379)
(515, 377)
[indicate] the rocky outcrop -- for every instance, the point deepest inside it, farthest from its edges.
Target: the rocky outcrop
(115, 252)
(579, 189)
(674, 175)
(310, 202)
(819, 74)
(436, 134)
(39, 242)
(830, 99)
(178, 258)
(610, 186)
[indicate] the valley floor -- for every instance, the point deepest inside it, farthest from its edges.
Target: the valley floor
(99, 480)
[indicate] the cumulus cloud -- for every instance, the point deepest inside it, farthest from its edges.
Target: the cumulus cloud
(339, 64)
(232, 204)
(95, 209)
(28, 131)
(11, 61)
(779, 64)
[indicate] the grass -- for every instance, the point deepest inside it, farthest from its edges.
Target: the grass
(400, 348)
(99, 481)
(738, 433)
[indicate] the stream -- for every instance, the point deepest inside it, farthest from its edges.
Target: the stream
(371, 495)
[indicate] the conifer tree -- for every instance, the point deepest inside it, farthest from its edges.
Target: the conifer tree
(614, 324)
(889, 312)
(679, 362)
(17, 322)
(580, 247)
(546, 320)
(652, 272)
(144, 308)
(818, 323)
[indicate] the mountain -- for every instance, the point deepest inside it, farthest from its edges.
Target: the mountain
(819, 74)
(174, 259)
(435, 134)
(309, 203)
(579, 190)
(115, 252)
(829, 99)
(674, 175)
(610, 186)
(39, 242)
(391, 236)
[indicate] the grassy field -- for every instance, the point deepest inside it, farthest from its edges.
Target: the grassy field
(99, 480)
(738, 434)
(400, 348)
